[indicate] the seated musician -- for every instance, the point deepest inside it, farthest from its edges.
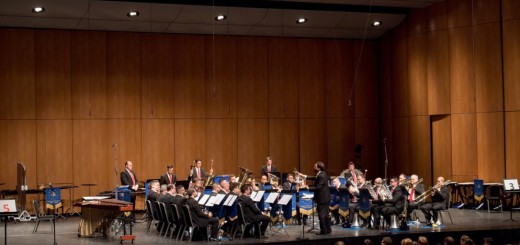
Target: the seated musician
(169, 177)
(251, 212)
(216, 188)
(440, 198)
(289, 183)
(153, 195)
(396, 204)
(167, 199)
(196, 184)
(199, 217)
(362, 185)
(335, 213)
(232, 178)
(415, 189)
(162, 191)
(263, 182)
(224, 185)
(378, 204)
(179, 199)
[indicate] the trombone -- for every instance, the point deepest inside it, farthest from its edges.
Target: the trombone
(430, 192)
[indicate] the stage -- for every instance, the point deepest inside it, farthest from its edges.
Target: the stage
(478, 224)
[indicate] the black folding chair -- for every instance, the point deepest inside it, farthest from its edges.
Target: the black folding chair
(243, 223)
(178, 220)
(39, 217)
(189, 223)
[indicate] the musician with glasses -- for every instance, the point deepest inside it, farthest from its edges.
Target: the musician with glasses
(201, 218)
(395, 205)
(440, 197)
(251, 213)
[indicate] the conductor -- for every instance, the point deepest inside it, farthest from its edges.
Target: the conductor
(321, 196)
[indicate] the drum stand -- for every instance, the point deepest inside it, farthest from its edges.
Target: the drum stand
(280, 220)
(70, 211)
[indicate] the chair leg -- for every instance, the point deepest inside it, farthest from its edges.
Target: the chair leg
(35, 229)
(243, 228)
(449, 215)
(488, 206)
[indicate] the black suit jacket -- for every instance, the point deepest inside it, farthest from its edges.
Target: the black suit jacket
(153, 196)
(126, 179)
(348, 175)
(199, 217)
(193, 174)
(288, 186)
(264, 169)
(321, 187)
(250, 209)
(167, 199)
(166, 181)
(442, 196)
(397, 199)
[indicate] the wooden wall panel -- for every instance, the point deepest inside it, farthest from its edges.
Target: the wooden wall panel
(462, 71)
(366, 94)
(459, 13)
(54, 151)
(253, 145)
(190, 144)
(486, 11)
(385, 78)
(464, 147)
(156, 76)
(123, 75)
(511, 38)
(369, 138)
(17, 144)
(340, 144)
(89, 74)
(437, 73)
(189, 74)
(127, 133)
(53, 84)
(221, 145)
(437, 17)
(91, 154)
(417, 79)
(283, 77)
(399, 64)
(313, 144)
(284, 144)
(400, 146)
(17, 74)
(490, 146)
(512, 135)
(510, 9)
(311, 86)
(339, 77)
(158, 147)
(221, 78)
(420, 156)
(416, 22)
(441, 133)
(488, 68)
(252, 78)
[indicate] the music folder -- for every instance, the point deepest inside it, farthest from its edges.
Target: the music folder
(203, 199)
(285, 199)
(257, 195)
(272, 197)
(230, 200)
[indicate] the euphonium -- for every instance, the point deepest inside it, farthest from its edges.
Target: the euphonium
(386, 194)
(245, 176)
(370, 188)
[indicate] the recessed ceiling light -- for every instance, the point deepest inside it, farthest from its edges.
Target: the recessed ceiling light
(132, 14)
(220, 17)
(38, 10)
(377, 23)
(301, 20)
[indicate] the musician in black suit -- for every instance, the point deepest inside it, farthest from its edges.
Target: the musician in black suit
(197, 172)
(179, 200)
(128, 176)
(395, 205)
(251, 212)
(153, 195)
(336, 184)
(321, 196)
(440, 200)
(168, 177)
(351, 173)
(199, 217)
(167, 199)
(289, 183)
(415, 189)
(268, 167)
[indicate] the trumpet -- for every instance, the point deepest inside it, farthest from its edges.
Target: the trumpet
(430, 192)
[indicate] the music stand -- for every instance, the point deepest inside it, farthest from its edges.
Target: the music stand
(53, 199)
(309, 196)
(8, 209)
(283, 201)
(511, 186)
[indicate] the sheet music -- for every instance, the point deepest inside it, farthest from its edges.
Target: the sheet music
(272, 197)
(285, 199)
(258, 197)
(219, 198)
(230, 200)
(211, 201)
(203, 199)
(198, 196)
(307, 196)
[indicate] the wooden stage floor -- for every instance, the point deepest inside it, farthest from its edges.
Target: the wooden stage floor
(475, 223)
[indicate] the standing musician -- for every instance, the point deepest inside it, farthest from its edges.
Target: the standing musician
(198, 172)
(415, 190)
(200, 218)
(396, 204)
(351, 172)
(268, 167)
(440, 198)
(321, 196)
(251, 212)
(168, 177)
(128, 176)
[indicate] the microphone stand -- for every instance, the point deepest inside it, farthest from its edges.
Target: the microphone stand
(386, 157)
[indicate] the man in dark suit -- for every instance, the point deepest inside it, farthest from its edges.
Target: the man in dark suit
(351, 173)
(197, 172)
(289, 183)
(200, 218)
(153, 195)
(251, 212)
(440, 200)
(168, 177)
(128, 176)
(268, 167)
(179, 200)
(169, 196)
(415, 189)
(396, 204)
(321, 196)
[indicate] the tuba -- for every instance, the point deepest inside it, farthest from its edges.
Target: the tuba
(210, 176)
(245, 176)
